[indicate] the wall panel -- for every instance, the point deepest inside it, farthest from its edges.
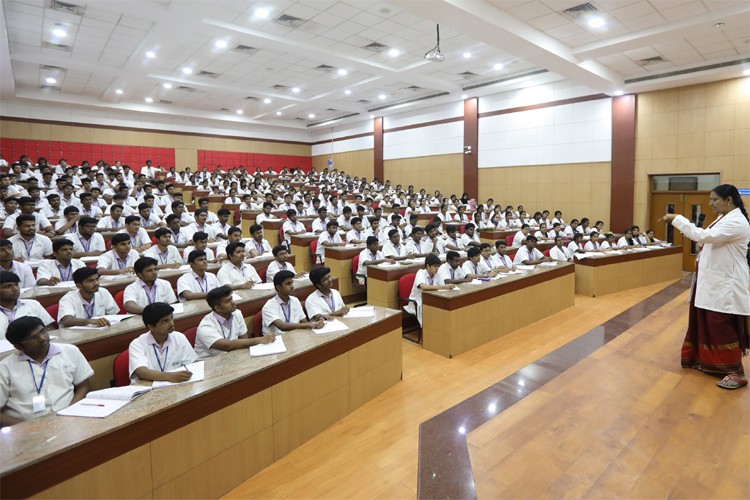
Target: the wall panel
(446, 138)
(355, 163)
(444, 172)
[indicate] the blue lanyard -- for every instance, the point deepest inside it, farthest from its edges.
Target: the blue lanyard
(158, 359)
(229, 333)
(205, 282)
(150, 296)
(287, 311)
(65, 277)
(331, 302)
(38, 387)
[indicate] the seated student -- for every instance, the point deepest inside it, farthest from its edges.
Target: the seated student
(292, 226)
(461, 215)
(201, 224)
(180, 235)
(371, 256)
(529, 255)
(393, 249)
(159, 353)
(608, 244)
(53, 209)
(416, 246)
(279, 263)
(235, 272)
(572, 229)
(650, 239)
(86, 241)
(557, 230)
(325, 302)
(120, 259)
(450, 241)
(139, 239)
(164, 252)
(266, 213)
(599, 226)
(576, 244)
(12, 307)
(330, 238)
(319, 225)
(222, 226)
(148, 288)
(28, 206)
(59, 374)
(450, 272)
(374, 230)
(627, 241)
(113, 221)
(27, 245)
(200, 242)
(257, 245)
(284, 312)
(356, 234)
(425, 281)
(544, 234)
(558, 218)
(148, 219)
(520, 237)
(87, 305)
(470, 238)
(345, 219)
(234, 235)
(486, 253)
(9, 264)
(87, 209)
(593, 244)
(559, 252)
(224, 329)
(52, 272)
(500, 260)
(475, 267)
(68, 224)
(198, 282)
(413, 222)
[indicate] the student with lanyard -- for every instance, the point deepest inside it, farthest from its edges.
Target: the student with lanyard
(28, 207)
(356, 234)
(113, 221)
(500, 260)
(576, 244)
(27, 245)
(148, 219)
(559, 252)
(12, 307)
(284, 312)
(393, 249)
(41, 377)
(475, 267)
(222, 226)
(325, 302)
(416, 246)
(148, 288)
(266, 213)
(9, 264)
(139, 239)
(68, 224)
(235, 272)
(87, 242)
(451, 273)
(198, 282)
(486, 253)
(166, 254)
(330, 238)
(257, 246)
(470, 238)
(161, 353)
(61, 268)
(370, 256)
(200, 242)
(119, 260)
(180, 235)
(425, 281)
(87, 305)
(292, 226)
(593, 244)
(529, 255)
(451, 241)
(279, 263)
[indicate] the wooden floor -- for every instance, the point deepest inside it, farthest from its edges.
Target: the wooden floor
(655, 418)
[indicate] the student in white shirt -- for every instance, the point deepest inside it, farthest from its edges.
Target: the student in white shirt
(520, 236)
(161, 353)
(370, 256)
(558, 218)
(86, 241)
(119, 260)
(257, 245)
(148, 288)
(451, 273)
(140, 241)
(475, 266)
(11, 307)
(27, 206)
(164, 252)
(180, 235)
(425, 281)
(329, 238)
(61, 268)
(356, 234)
(470, 237)
(529, 255)
(59, 374)
(266, 213)
(393, 249)
(292, 226)
(224, 329)
(198, 282)
(279, 263)
(500, 260)
(650, 238)
(572, 229)
(113, 221)
(234, 235)
(201, 224)
(27, 245)
(319, 224)
(9, 264)
(576, 244)
(609, 243)
(559, 252)
(68, 224)
(416, 246)
(235, 272)
(325, 302)
(87, 305)
(592, 245)
(450, 241)
(628, 241)
(284, 312)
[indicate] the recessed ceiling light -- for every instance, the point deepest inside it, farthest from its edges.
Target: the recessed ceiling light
(596, 22)
(498, 66)
(150, 54)
(267, 100)
(381, 97)
(187, 71)
(239, 111)
(118, 91)
(394, 53)
(372, 116)
(262, 13)
(167, 85)
(746, 72)
(311, 115)
(467, 55)
(50, 80)
(278, 113)
(342, 72)
(59, 32)
(149, 100)
(220, 44)
(295, 90)
(464, 96)
(347, 92)
(618, 92)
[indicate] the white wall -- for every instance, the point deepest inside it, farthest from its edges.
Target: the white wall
(440, 112)
(440, 139)
(533, 95)
(325, 134)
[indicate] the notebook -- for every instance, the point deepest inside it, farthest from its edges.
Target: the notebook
(103, 403)
(197, 369)
(275, 347)
(331, 327)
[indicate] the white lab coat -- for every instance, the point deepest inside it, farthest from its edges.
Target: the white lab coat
(723, 273)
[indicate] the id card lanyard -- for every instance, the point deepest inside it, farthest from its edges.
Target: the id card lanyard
(38, 402)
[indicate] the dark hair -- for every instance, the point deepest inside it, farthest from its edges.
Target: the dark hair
(195, 254)
(371, 240)
(234, 246)
(500, 242)
(144, 262)
(482, 246)
(119, 238)
(277, 249)
(531, 238)
(214, 296)
(82, 274)
(291, 212)
(233, 229)
(223, 211)
(473, 252)
(5, 243)
(255, 228)
(143, 206)
(281, 277)
(317, 273)
(199, 236)
(58, 244)
(470, 225)
(331, 224)
(432, 260)
(130, 219)
(161, 232)
(87, 220)
(356, 220)
(730, 191)
(20, 328)
(154, 312)
(8, 277)
(452, 254)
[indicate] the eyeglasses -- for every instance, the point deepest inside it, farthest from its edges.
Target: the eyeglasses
(44, 334)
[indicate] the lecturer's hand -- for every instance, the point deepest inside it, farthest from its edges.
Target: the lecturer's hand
(668, 218)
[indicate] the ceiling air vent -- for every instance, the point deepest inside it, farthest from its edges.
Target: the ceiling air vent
(364, 101)
(164, 101)
(49, 87)
(375, 47)
(57, 46)
(251, 98)
(325, 67)
(414, 88)
(245, 49)
(580, 10)
(57, 69)
(280, 87)
(67, 7)
(299, 119)
(289, 21)
(207, 74)
(468, 75)
(185, 88)
(331, 109)
(651, 60)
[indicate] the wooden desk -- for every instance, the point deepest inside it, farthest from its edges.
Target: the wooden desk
(202, 439)
(301, 249)
(597, 276)
(339, 259)
(247, 219)
(492, 235)
(457, 321)
(216, 201)
(271, 230)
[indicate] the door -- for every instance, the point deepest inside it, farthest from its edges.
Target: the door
(691, 205)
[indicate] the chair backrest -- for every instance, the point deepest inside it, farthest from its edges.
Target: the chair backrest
(405, 284)
(108, 245)
(258, 324)
(119, 297)
(190, 333)
(355, 266)
(263, 273)
(512, 255)
(546, 252)
(509, 239)
(281, 236)
(313, 249)
(52, 310)
(120, 369)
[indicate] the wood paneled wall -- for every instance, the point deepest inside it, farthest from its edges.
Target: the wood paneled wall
(359, 163)
(186, 146)
(695, 129)
(443, 172)
(578, 189)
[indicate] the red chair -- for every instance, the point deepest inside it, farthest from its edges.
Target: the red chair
(405, 284)
(119, 297)
(282, 241)
(263, 273)
(314, 257)
(509, 239)
(121, 369)
(108, 245)
(512, 255)
(546, 252)
(355, 276)
(190, 333)
(258, 324)
(52, 310)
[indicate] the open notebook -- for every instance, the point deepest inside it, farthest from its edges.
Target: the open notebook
(103, 403)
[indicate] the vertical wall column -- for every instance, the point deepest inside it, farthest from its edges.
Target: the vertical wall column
(378, 148)
(623, 163)
(471, 140)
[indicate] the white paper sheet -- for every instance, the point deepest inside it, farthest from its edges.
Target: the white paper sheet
(93, 408)
(197, 368)
(331, 327)
(263, 286)
(549, 264)
(178, 307)
(89, 258)
(361, 312)
(522, 267)
(124, 393)
(275, 347)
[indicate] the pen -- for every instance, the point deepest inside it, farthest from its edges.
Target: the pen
(92, 404)
(186, 369)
